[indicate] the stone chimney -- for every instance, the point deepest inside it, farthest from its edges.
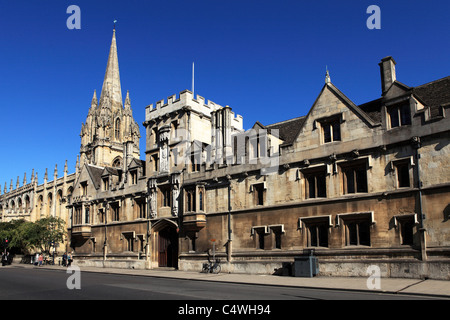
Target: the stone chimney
(387, 70)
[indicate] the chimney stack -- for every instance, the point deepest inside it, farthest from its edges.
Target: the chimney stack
(387, 70)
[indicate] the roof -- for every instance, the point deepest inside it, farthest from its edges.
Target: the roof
(433, 94)
(373, 109)
(289, 129)
(95, 173)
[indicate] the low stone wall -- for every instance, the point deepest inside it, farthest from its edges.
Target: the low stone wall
(113, 263)
(413, 269)
(438, 270)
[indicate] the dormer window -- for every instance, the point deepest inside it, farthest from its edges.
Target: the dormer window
(399, 115)
(84, 188)
(105, 181)
(133, 176)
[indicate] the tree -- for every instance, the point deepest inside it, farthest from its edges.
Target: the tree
(24, 236)
(50, 231)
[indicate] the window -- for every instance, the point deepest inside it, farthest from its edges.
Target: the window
(317, 229)
(101, 212)
(155, 135)
(407, 232)
(406, 224)
(399, 115)
(355, 178)
(141, 240)
(254, 146)
(331, 130)
(175, 156)
(316, 186)
(318, 235)
(200, 200)
(129, 240)
(259, 234)
(115, 211)
(27, 202)
(402, 169)
(277, 232)
(155, 162)
(166, 196)
(78, 215)
(117, 163)
(84, 188)
(133, 176)
(259, 194)
(105, 184)
(87, 216)
(195, 164)
(117, 129)
(357, 233)
(174, 128)
(190, 200)
(140, 207)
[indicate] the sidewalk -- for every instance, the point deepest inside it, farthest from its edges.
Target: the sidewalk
(438, 288)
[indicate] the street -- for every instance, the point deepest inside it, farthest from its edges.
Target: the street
(19, 283)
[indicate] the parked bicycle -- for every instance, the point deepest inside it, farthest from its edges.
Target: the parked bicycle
(211, 267)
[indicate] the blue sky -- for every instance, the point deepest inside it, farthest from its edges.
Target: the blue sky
(265, 59)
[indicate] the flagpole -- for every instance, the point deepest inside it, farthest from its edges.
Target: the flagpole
(193, 80)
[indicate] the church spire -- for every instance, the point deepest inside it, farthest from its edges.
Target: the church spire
(111, 84)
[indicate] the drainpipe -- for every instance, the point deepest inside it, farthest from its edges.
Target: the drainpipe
(148, 235)
(416, 144)
(230, 246)
(105, 246)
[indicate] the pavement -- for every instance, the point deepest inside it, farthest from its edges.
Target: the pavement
(436, 288)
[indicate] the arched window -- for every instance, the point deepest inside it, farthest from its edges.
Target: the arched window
(40, 200)
(59, 197)
(117, 129)
(27, 202)
(117, 162)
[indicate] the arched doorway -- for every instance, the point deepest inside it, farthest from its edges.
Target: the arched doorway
(166, 243)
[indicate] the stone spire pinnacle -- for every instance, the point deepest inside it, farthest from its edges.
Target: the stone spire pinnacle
(327, 76)
(127, 101)
(94, 101)
(111, 84)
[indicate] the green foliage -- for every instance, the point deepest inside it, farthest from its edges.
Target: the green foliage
(26, 236)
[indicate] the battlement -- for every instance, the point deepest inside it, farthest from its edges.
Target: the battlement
(186, 100)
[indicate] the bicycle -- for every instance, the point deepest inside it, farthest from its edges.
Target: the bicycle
(212, 267)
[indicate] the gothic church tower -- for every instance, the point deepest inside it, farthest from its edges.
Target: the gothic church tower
(110, 133)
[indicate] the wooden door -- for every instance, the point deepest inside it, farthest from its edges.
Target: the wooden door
(163, 244)
(168, 248)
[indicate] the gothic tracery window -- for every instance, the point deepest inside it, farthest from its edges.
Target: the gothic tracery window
(117, 129)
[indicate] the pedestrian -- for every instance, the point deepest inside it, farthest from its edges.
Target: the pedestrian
(64, 259)
(4, 259)
(69, 259)
(41, 259)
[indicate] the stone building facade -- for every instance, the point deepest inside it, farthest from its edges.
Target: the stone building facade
(360, 185)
